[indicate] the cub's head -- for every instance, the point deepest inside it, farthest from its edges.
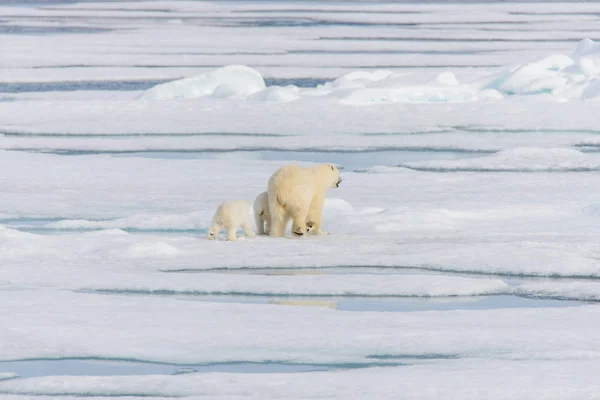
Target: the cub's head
(331, 175)
(213, 231)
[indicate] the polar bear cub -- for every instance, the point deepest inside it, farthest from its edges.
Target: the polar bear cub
(230, 216)
(298, 193)
(261, 214)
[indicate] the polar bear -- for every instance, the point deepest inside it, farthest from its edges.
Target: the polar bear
(230, 216)
(298, 193)
(262, 218)
(261, 214)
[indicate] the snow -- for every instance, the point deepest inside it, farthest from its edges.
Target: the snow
(587, 49)
(185, 331)
(193, 220)
(444, 88)
(463, 250)
(312, 285)
(455, 379)
(558, 75)
(592, 90)
(278, 94)
(532, 78)
(229, 81)
(589, 291)
(153, 249)
(7, 375)
(358, 88)
(519, 159)
(209, 126)
(394, 217)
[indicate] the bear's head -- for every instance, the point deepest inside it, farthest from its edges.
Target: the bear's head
(330, 174)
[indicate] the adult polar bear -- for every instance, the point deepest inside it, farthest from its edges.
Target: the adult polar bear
(298, 193)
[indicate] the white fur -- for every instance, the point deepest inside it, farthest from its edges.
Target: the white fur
(261, 214)
(230, 216)
(298, 193)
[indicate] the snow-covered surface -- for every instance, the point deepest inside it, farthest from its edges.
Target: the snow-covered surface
(561, 76)
(229, 98)
(7, 375)
(503, 226)
(519, 159)
(467, 139)
(194, 332)
(229, 81)
(571, 380)
(565, 290)
(309, 285)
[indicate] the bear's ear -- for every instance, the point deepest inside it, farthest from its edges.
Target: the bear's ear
(332, 167)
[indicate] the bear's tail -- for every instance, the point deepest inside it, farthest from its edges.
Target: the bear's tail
(278, 216)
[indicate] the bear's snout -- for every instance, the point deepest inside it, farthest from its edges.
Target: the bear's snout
(338, 183)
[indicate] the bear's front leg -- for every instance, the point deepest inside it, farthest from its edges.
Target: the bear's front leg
(231, 236)
(314, 228)
(299, 226)
(313, 219)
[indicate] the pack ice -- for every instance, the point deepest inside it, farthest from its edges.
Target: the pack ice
(463, 257)
(562, 76)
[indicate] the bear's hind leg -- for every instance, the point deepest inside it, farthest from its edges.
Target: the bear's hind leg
(299, 222)
(267, 218)
(279, 217)
(247, 227)
(260, 224)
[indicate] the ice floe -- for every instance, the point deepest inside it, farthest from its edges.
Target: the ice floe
(589, 291)
(308, 285)
(518, 159)
(560, 75)
(79, 325)
(104, 257)
(229, 81)
(7, 375)
(479, 221)
(469, 379)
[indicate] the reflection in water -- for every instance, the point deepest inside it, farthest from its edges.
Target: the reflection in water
(392, 304)
(111, 367)
(344, 159)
